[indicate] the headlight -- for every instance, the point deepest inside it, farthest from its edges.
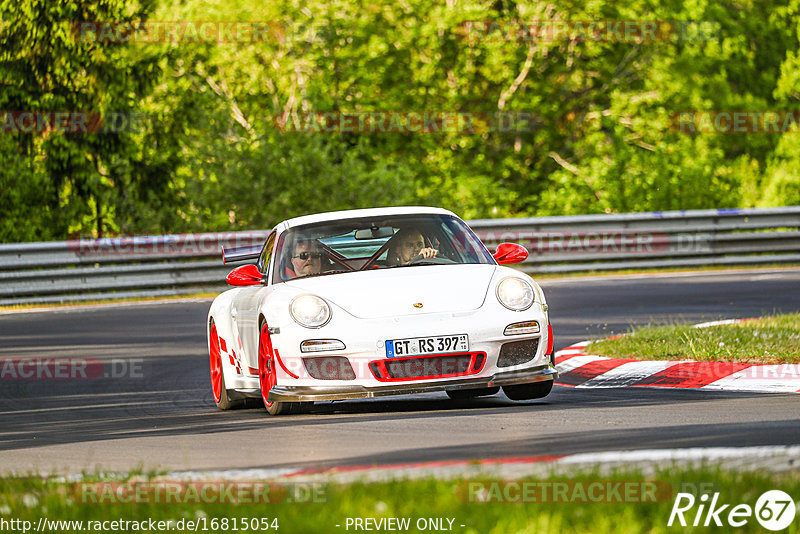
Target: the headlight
(515, 294)
(310, 311)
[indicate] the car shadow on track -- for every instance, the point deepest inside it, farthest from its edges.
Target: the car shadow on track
(167, 402)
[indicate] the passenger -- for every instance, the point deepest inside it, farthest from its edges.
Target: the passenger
(407, 244)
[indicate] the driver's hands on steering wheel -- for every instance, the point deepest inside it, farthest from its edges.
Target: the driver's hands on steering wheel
(424, 253)
(428, 253)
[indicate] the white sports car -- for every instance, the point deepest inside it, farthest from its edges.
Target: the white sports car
(384, 301)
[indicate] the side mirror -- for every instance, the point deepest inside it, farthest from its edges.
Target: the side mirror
(509, 253)
(246, 275)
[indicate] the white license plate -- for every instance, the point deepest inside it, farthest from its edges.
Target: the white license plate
(415, 346)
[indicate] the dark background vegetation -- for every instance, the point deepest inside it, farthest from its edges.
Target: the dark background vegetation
(213, 158)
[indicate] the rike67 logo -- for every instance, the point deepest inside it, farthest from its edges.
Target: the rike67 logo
(774, 510)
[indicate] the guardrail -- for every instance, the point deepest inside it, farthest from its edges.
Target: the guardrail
(647, 240)
(88, 269)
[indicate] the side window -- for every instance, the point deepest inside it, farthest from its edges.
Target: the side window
(266, 254)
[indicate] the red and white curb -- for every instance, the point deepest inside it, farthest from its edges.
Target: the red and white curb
(772, 458)
(579, 368)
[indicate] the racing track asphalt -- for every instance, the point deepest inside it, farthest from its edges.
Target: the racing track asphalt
(159, 413)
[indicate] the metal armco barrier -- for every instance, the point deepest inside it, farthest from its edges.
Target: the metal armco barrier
(72, 271)
(646, 240)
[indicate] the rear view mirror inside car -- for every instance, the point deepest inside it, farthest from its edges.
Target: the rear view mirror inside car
(375, 232)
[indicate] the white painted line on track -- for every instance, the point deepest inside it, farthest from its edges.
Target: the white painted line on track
(669, 455)
(783, 378)
(717, 323)
(233, 474)
(778, 456)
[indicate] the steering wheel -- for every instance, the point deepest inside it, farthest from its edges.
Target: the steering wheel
(419, 258)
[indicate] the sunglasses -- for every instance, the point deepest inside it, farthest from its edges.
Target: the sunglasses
(306, 255)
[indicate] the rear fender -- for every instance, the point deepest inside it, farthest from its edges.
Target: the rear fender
(220, 312)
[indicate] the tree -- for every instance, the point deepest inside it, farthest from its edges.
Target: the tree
(50, 65)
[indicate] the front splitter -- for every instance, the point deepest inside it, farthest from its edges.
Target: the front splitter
(326, 393)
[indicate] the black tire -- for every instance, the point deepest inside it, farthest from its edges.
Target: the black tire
(280, 408)
(463, 394)
(266, 371)
(536, 390)
(225, 401)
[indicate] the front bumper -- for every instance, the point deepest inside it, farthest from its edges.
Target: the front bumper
(282, 393)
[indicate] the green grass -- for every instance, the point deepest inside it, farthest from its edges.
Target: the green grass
(768, 340)
(31, 498)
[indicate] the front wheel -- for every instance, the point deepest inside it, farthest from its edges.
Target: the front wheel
(267, 374)
(536, 390)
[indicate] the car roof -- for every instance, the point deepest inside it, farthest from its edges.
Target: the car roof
(362, 213)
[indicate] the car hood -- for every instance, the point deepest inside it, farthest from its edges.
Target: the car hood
(393, 292)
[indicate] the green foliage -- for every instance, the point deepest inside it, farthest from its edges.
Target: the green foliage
(768, 340)
(599, 135)
(22, 188)
(570, 499)
(45, 67)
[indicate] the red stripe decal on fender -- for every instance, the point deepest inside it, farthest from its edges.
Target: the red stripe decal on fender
(280, 362)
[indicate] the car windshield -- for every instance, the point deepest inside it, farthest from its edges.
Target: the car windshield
(376, 243)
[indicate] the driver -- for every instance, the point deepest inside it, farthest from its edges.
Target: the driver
(407, 244)
(305, 258)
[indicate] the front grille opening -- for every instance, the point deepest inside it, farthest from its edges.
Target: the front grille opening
(517, 352)
(375, 370)
(422, 367)
(329, 368)
(428, 366)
